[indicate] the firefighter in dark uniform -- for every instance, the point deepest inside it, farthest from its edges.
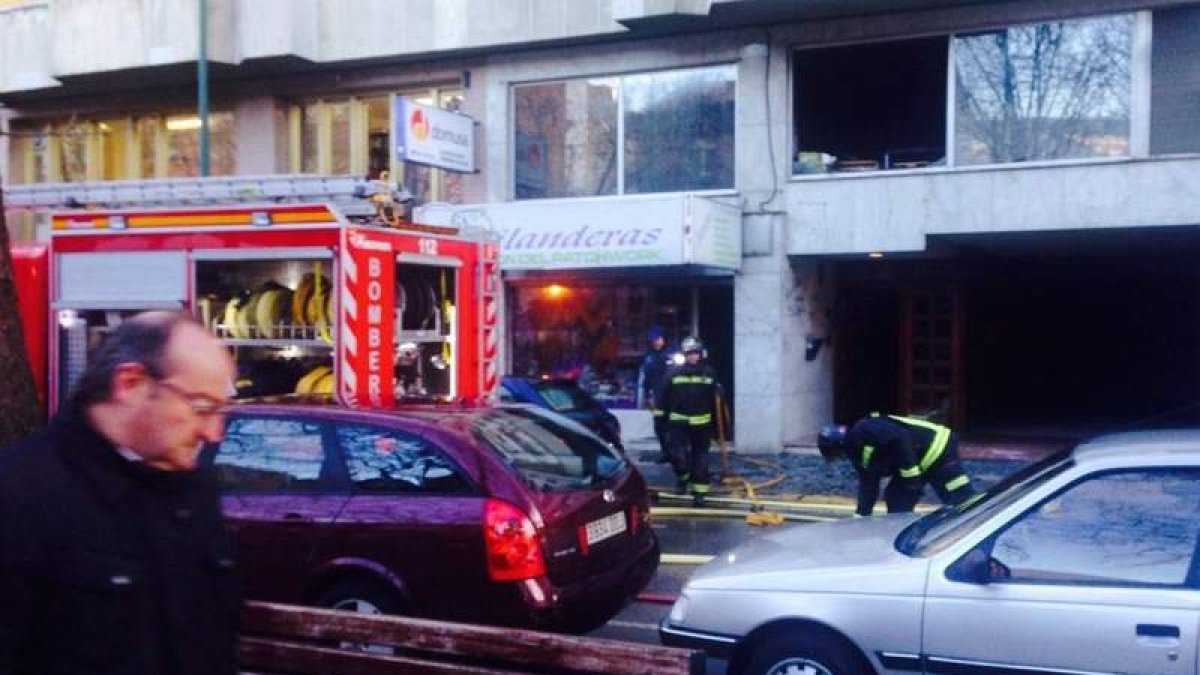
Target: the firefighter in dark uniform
(654, 365)
(909, 451)
(689, 397)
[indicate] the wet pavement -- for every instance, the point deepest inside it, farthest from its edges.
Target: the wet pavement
(799, 474)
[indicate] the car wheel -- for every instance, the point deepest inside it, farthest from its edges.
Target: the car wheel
(362, 596)
(799, 654)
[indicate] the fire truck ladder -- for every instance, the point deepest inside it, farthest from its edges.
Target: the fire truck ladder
(354, 196)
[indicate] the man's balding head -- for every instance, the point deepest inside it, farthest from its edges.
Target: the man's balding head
(156, 386)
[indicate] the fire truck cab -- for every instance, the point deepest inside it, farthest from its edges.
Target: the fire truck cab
(327, 296)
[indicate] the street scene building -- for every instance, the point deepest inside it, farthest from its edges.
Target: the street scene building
(982, 210)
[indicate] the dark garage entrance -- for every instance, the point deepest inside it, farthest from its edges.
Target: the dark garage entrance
(1055, 333)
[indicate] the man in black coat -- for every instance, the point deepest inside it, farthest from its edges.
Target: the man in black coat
(113, 555)
(654, 366)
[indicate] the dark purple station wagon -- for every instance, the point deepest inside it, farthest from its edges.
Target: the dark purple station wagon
(509, 515)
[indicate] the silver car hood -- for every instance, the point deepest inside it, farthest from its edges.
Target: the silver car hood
(842, 555)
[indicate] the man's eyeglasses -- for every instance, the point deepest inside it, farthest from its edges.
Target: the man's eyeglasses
(201, 404)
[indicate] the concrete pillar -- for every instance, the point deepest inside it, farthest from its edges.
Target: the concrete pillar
(257, 136)
(781, 398)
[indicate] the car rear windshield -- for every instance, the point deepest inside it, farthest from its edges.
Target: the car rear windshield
(563, 396)
(549, 451)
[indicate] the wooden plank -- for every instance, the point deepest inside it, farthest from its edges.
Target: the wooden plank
(509, 646)
(275, 656)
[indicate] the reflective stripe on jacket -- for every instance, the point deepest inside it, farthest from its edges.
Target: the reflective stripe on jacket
(932, 453)
(688, 395)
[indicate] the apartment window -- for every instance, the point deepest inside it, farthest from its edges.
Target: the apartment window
(1175, 81)
(874, 106)
(1050, 91)
(353, 135)
(649, 132)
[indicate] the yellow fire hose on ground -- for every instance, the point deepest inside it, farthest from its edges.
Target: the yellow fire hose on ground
(758, 515)
(735, 494)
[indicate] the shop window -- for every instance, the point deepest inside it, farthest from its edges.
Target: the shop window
(27, 154)
(593, 334)
(144, 146)
(309, 134)
(1043, 92)
(651, 132)
(379, 120)
(182, 138)
(116, 144)
(869, 107)
(148, 130)
(353, 135)
(20, 155)
(72, 152)
(339, 128)
(450, 183)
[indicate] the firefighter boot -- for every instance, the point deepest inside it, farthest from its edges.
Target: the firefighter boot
(681, 485)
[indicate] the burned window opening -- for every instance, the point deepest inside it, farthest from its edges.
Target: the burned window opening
(871, 107)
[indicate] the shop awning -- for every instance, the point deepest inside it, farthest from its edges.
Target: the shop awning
(638, 231)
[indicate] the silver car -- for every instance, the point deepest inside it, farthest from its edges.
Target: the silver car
(1086, 562)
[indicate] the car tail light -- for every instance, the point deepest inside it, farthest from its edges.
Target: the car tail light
(584, 546)
(511, 542)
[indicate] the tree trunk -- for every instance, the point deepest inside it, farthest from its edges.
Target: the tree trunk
(19, 409)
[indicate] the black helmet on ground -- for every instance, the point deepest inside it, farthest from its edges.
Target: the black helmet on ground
(831, 441)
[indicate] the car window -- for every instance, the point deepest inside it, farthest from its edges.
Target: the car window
(1128, 527)
(547, 449)
(267, 454)
(387, 460)
(936, 531)
(563, 397)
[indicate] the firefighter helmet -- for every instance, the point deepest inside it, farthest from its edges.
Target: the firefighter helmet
(691, 344)
(831, 441)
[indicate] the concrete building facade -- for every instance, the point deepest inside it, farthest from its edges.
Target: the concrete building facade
(980, 210)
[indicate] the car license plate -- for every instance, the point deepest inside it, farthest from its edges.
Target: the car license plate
(608, 526)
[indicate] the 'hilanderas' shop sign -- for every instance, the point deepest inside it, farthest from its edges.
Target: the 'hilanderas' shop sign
(642, 231)
(429, 135)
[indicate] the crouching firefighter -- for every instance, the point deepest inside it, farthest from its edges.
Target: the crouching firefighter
(909, 451)
(689, 396)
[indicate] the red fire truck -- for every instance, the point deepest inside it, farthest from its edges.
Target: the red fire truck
(311, 281)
